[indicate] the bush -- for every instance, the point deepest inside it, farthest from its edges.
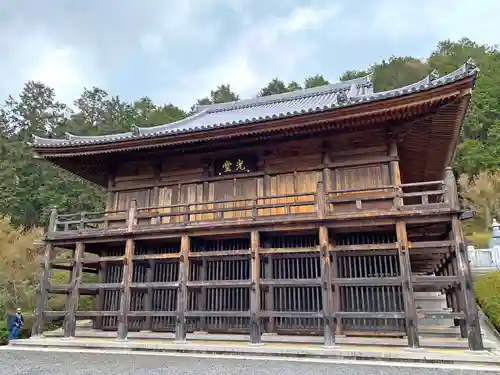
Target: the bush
(487, 289)
(480, 240)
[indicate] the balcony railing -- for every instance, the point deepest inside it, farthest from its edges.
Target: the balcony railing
(318, 205)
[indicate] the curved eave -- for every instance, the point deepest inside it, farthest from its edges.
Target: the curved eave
(353, 109)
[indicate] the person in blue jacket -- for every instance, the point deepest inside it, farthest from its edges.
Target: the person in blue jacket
(14, 324)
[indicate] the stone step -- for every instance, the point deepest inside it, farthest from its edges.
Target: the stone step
(443, 331)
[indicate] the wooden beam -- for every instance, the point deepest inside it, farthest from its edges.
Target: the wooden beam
(255, 333)
(125, 290)
(76, 279)
(328, 321)
(474, 338)
(407, 285)
(182, 293)
(38, 326)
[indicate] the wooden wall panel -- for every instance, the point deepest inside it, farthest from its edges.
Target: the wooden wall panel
(134, 170)
(244, 188)
(281, 184)
(306, 182)
(192, 193)
(121, 199)
(168, 195)
(371, 176)
(220, 191)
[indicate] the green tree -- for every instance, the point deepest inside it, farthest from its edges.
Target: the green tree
(315, 81)
(222, 94)
(276, 86)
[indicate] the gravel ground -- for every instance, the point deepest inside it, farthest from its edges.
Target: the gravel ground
(60, 363)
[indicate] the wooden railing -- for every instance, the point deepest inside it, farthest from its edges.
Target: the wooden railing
(316, 205)
(413, 196)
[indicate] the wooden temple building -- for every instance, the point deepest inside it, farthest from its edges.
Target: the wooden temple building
(315, 212)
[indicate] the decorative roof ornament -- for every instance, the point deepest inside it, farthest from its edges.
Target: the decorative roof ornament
(342, 97)
(471, 64)
(434, 75)
(136, 131)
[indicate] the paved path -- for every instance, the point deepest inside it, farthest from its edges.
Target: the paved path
(23, 362)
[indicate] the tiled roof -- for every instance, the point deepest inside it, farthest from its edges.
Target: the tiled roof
(313, 100)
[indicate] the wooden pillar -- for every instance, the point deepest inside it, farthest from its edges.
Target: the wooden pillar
(270, 289)
(125, 290)
(326, 172)
(148, 305)
(450, 183)
(321, 208)
(102, 267)
(110, 193)
(395, 173)
(127, 275)
(74, 292)
(336, 302)
(469, 301)
(255, 334)
(182, 293)
(407, 285)
(202, 298)
(41, 301)
(326, 282)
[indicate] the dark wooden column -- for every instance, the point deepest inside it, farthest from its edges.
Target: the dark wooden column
(202, 298)
(99, 306)
(450, 183)
(326, 283)
(407, 285)
(43, 284)
(148, 324)
(395, 172)
(336, 302)
(182, 293)
(270, 289)
(321, 208)
(469, 301)
(125, 290)
(326, 173)
(110, 193)
(74, 292)
(127, 275)
(255, 334)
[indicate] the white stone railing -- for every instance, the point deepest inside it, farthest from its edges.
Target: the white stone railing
(482, 260)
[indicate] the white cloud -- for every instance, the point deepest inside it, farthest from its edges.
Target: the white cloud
(61, 67)
(400, 20)
(182, 20)
(274, 46)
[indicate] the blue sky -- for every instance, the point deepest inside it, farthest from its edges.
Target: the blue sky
(178, 50)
